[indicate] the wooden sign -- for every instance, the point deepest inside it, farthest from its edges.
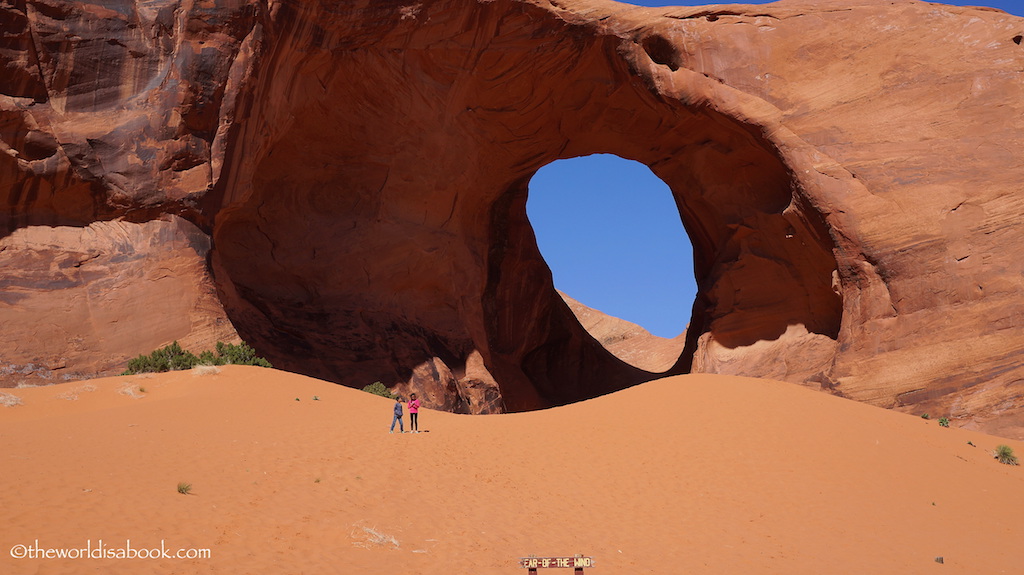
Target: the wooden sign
(577, 562)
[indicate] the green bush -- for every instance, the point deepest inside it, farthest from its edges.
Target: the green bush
(377, 388)
(1004, 453)
(943, 422)
(925, 416)
(173, 358)
(168, 358)
(241, 354)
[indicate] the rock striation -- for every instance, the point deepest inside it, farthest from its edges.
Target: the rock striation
(848, 172)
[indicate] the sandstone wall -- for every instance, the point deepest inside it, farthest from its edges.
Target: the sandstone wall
(848, 172)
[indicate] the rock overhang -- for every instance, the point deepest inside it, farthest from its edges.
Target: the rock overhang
(410, 198)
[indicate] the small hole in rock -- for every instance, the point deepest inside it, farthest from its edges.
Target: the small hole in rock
(1017, 39)
(661, 51)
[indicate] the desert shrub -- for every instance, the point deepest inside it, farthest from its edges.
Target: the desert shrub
(377, 388)
(131, 390)
(925, 416)
(943, 422)
(205, 369)
(9, 399)
(207, 358)
(1004, 453)
(184, 488)
(173, 358)
(231, 354)
(241, 354)
(167, 358)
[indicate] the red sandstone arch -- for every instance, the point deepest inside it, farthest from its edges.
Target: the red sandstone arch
(361, 166)
(382, 228)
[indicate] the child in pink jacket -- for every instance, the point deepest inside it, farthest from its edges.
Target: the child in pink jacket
(414, 412)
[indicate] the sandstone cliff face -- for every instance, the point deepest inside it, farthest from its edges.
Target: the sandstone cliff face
(82, 300)
(848, 174)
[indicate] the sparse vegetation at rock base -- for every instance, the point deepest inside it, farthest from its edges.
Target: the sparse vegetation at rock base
(174, 358)
(378, 388)
(1004, 453)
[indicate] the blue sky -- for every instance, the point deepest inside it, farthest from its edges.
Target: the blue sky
(612, 236)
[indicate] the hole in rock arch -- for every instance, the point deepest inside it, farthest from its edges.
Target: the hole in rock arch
(382, 234)
(612, 236)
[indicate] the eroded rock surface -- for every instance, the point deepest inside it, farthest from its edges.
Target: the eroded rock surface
(81, 301)
(848, 174)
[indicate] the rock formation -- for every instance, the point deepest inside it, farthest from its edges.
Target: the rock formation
(847, 172)
(626, 340)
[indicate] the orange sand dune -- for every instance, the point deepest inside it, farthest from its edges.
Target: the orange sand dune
(691, 474)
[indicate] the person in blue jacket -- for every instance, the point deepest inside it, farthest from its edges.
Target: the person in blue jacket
(397, 417)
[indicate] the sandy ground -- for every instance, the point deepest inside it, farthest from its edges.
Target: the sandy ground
(691, 474)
